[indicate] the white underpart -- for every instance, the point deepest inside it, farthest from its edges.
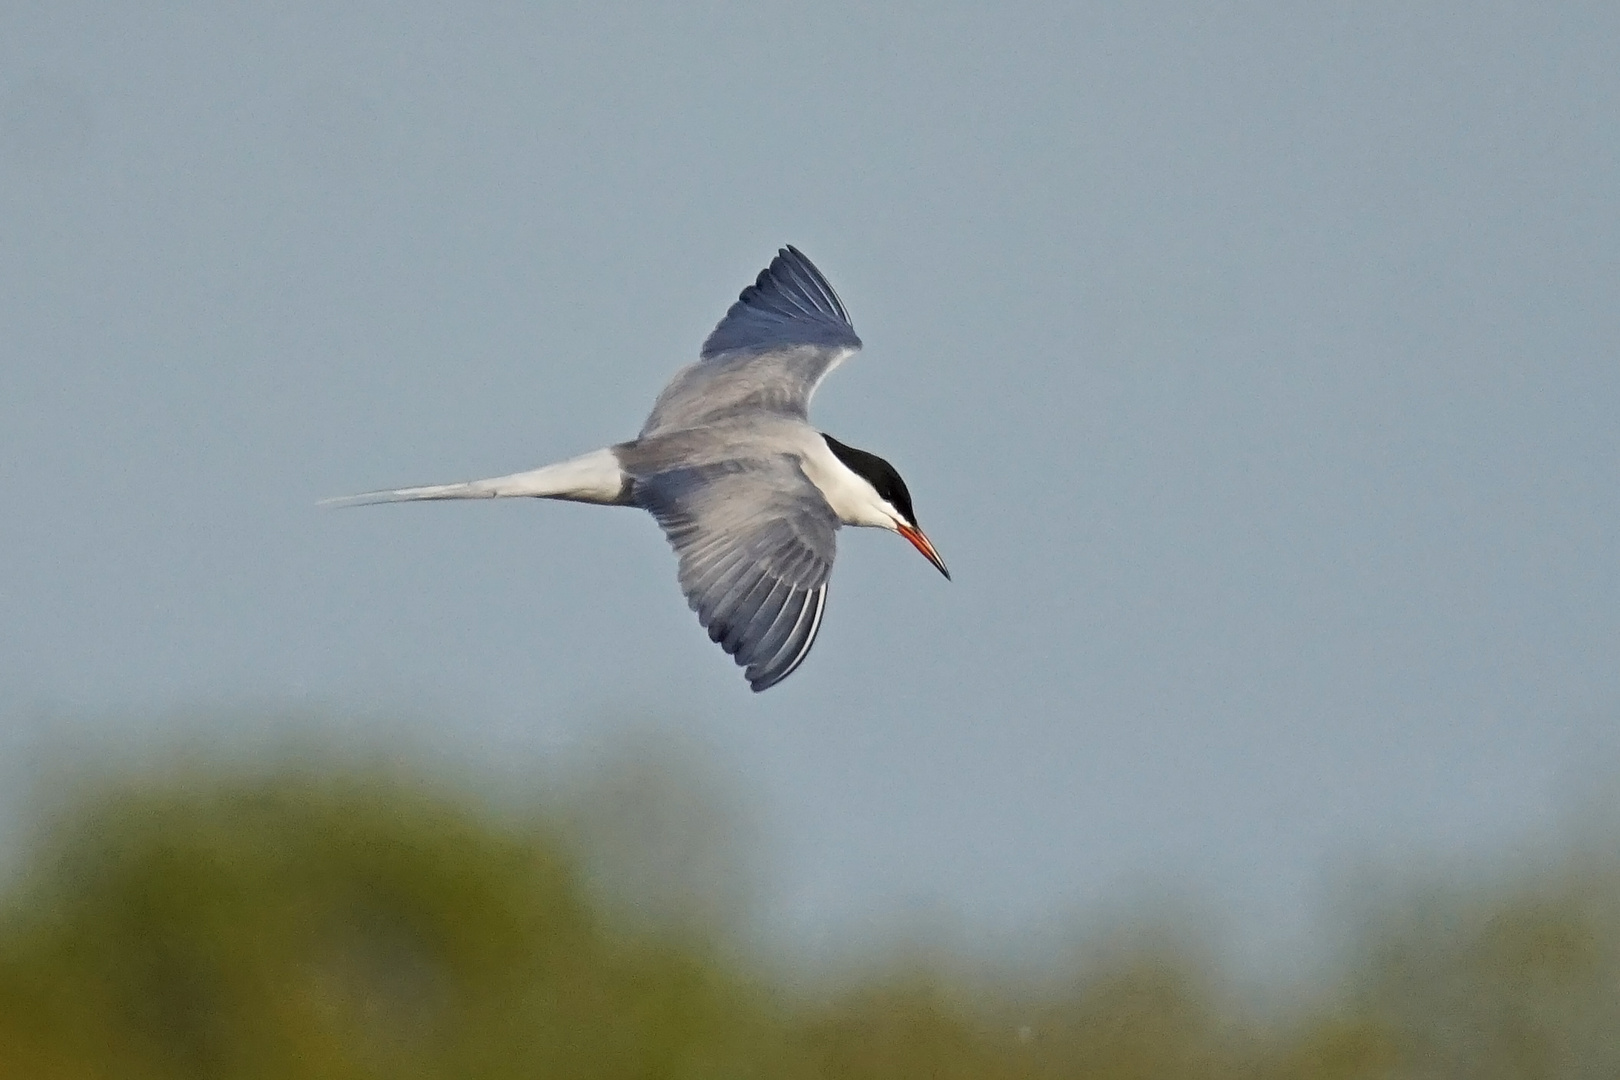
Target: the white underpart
(593, 478)
(855, 501)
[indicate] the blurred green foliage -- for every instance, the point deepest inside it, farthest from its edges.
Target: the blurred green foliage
(222, 924)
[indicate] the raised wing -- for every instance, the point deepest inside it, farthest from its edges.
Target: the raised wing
(789, 304)
(755, 541)
(777, 342)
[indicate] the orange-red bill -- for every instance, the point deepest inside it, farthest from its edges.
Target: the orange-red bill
(924, 545)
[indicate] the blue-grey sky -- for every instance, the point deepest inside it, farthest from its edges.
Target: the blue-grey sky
(1255, 367)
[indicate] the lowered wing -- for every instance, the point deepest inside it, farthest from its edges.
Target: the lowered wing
(755, 541)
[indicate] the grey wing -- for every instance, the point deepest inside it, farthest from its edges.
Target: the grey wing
(777, 342)
(756, 542)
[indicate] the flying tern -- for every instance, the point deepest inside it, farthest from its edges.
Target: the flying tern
(749, 494)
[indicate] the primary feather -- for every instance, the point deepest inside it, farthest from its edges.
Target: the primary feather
(770, 352)
(789, 304)
(755, 541)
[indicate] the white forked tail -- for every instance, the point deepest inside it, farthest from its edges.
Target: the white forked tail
(593, 478)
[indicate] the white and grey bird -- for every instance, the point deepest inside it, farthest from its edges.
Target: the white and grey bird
(749, 494)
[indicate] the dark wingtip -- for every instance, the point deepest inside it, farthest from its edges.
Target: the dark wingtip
(764, 683)
(789, 303)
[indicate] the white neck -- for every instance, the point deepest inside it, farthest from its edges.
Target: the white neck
(854, 500)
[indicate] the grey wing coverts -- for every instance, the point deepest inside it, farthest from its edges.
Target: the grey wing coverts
(755, 542)
(754, 536)
(777, 342)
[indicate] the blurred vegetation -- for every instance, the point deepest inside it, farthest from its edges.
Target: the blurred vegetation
(223, 923)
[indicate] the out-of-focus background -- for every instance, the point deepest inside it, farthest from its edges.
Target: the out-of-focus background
(333, 915)
(1254, 370)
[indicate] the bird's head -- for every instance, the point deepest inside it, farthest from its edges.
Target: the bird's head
(891, 502)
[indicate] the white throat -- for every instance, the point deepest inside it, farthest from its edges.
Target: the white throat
(854, 500)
